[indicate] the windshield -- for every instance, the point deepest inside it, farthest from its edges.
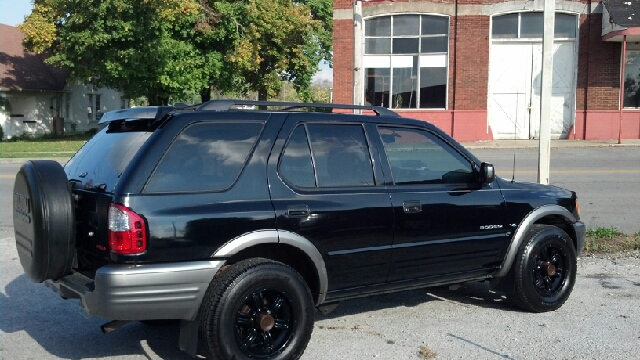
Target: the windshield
(101, 161)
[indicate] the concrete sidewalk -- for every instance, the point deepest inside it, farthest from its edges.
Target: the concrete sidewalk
(523, 144)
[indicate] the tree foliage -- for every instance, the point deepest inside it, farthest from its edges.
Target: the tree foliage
(140, 47)
(272, 41)
(166, 49)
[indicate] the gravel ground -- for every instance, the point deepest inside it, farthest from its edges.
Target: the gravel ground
(601, 320)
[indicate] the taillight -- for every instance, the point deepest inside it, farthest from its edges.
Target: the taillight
(127, 231)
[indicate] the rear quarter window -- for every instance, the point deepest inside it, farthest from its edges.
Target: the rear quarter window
(205, 157)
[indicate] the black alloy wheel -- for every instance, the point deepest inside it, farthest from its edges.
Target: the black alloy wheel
(256, 309)
(264, 324)
(544, 271)
(549, 272)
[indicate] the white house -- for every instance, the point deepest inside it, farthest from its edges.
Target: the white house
(37, 97)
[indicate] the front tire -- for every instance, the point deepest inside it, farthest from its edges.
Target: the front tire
(256, 308)
(544, 270)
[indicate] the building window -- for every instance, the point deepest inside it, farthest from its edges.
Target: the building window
(94, 110)
(90, 108)
(406, 61)
(529, 25)
(632, 77)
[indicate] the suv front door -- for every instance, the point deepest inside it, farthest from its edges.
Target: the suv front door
(324, 188)
(446, 222)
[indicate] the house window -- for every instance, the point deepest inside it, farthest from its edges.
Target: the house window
(632, 77)
(529, 25)
(90, 108)
(406, 61)
(94, 110)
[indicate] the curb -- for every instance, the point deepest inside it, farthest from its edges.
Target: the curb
(20, 161)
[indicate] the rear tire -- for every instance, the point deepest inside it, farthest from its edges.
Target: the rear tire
(44, 220)
(544, 270)
(256, 308)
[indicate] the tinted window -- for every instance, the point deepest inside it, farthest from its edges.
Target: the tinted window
(505, 26)
(295, 164)
(341, 155)
(205, 157)
(419, 157)
(565, 26)
(105, 157)
(378, 26)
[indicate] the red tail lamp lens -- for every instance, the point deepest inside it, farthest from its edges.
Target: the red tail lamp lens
(127, 231)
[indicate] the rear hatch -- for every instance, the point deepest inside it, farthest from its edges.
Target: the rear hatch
(93, 173)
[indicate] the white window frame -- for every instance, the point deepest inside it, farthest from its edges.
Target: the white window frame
(426, 60)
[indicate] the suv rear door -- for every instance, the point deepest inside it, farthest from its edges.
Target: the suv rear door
(94, 172)
(446, 222)
(326, 188)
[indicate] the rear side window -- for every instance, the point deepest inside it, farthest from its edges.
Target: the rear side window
(296, 164)
(205, 157)
(339, 154)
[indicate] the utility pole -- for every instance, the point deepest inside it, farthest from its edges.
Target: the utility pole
(358, 89)
(544, 154)
(624, 60)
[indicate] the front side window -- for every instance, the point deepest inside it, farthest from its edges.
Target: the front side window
(418, 156)
(205, 157)
(327, 155)
(406, 61)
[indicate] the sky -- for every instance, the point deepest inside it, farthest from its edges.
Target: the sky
(12, 12)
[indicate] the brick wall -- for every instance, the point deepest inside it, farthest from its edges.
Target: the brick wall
(603, 69)
(343, 61)
(598, 62)
(471, 66)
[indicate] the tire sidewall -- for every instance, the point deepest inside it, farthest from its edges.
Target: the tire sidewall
(266, 277)
(559, 239)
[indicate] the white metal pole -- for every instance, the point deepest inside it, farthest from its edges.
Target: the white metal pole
(358, 90)
(544, 155)
(624, 60)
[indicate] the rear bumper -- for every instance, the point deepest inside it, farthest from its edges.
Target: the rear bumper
(580, 230)
(143, 292)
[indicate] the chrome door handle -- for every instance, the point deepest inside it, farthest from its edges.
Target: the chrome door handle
(411, 206)
(299, 211)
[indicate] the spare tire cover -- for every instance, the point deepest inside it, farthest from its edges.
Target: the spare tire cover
(44, 220)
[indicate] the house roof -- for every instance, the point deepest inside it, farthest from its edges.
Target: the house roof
(24, 70)
(625, 13)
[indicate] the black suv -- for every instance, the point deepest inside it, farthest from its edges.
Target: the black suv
(239, 220)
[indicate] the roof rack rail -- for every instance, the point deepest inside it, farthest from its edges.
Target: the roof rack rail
(136, 113)
(225, 105)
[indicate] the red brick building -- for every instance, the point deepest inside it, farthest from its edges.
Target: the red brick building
(473, 67)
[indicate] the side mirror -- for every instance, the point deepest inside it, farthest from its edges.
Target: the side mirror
(487, 173)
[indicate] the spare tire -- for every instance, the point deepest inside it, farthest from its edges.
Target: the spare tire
(44, 220)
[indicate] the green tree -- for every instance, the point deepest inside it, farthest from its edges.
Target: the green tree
(172, 49)
(150, 48)
(271, 41)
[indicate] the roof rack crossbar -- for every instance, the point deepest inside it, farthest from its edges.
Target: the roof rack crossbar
(225, 105)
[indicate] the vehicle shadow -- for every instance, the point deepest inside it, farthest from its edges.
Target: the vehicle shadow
(61, 330)
(469, 295)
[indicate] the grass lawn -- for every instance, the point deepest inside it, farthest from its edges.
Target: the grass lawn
(42, 148)
(609, 240)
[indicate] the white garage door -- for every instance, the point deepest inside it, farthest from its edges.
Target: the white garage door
(515, 79)
(515, 83)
